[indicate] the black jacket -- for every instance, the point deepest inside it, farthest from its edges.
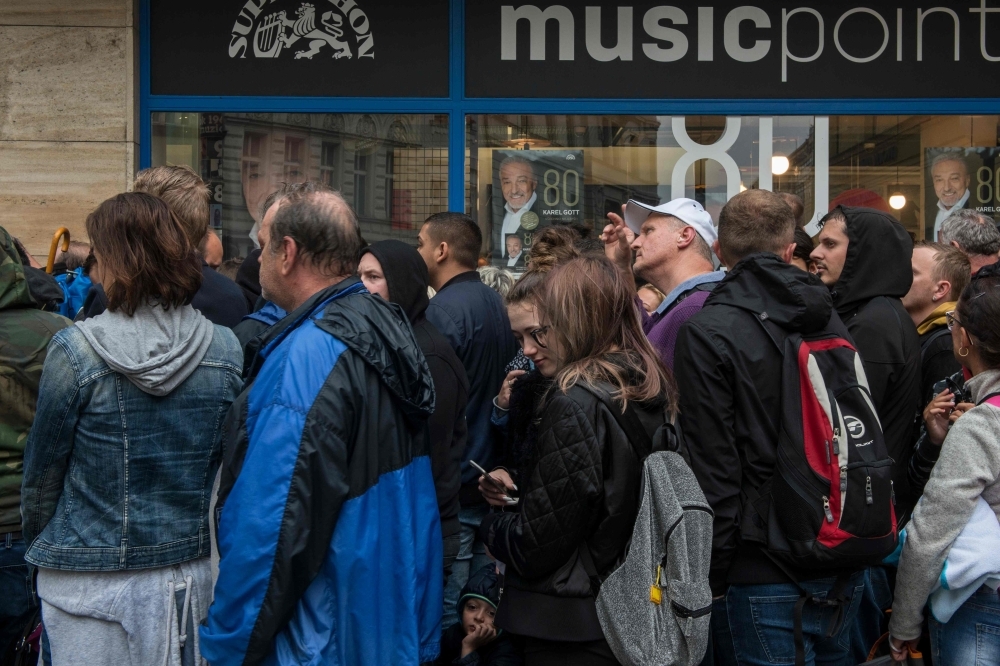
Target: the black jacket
(728, 373)
(501, 651)
(472, 317)
(581, 486)
(937, 362)
(877, 273)
(218, 299)
(406, 276)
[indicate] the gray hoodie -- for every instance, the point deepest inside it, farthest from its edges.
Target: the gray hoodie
(155, 349)
(969, 467)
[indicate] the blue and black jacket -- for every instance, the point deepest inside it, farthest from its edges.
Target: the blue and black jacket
(329, 536)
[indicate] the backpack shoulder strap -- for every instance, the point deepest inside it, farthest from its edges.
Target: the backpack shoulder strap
(992, 399)
(926, 344)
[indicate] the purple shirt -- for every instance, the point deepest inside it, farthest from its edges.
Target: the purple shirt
(661, 327)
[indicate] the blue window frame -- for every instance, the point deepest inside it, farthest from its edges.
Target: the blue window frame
(458, 106)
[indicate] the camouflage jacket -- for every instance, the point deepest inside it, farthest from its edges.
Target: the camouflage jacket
(25, 332)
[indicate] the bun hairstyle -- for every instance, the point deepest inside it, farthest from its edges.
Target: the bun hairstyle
(979, 313)
(553, 247)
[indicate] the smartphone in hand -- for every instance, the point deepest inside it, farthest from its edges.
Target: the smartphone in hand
(492, 480)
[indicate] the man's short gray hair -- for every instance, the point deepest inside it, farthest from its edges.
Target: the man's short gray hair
(950, 156)
(323, 226)
(518, 159)
(974, 232)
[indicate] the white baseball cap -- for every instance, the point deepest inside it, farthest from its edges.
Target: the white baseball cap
(688, 211)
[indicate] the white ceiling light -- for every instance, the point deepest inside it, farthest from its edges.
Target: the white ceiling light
(897, 201)
(779, 165)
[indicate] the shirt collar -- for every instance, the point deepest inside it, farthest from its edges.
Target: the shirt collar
(690, 283)
(468, 276)
(958, 206)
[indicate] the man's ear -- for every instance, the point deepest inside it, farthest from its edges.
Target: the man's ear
(686, 237)
(787, 253)
(442, 252)
(717, 249)
(943, 291)
(288, 256)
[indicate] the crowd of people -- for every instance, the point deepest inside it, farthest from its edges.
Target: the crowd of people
(340, 452)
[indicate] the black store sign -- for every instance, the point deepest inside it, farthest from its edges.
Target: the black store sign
(706, 50)
(342, 48)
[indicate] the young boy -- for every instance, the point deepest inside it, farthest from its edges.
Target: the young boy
(473, 640)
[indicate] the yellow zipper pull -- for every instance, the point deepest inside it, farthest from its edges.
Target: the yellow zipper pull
(655, 595)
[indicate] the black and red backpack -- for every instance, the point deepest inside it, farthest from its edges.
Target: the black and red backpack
(830, 503)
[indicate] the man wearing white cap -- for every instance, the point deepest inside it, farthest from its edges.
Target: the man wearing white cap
(673, 252)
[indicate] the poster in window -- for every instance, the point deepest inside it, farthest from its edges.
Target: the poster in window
(532, 190)
(959, 178)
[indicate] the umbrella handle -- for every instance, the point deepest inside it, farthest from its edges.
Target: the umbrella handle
(61, 234)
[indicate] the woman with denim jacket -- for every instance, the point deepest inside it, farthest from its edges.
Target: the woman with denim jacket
(119, 465)
(965, 477)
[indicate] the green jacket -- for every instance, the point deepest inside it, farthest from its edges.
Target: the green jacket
(25, 332)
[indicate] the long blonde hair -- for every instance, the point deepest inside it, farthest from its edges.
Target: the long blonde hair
(594, 315)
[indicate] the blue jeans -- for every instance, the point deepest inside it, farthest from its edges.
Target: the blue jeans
(471, 557)
(16, 602)
(867, 628)
(972, 636)
(753, 625)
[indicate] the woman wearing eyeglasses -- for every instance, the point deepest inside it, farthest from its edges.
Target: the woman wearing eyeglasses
(956, 520)
(580, 481)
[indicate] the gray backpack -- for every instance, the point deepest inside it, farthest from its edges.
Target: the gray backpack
(656, 606)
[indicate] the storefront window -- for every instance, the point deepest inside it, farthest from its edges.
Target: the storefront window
(529, 172)
(393, 168)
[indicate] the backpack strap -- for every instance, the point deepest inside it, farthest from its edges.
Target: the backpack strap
(628, 421)
(991, 399)
(926, 344)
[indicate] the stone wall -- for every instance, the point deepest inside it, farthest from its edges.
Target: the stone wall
(68, 112)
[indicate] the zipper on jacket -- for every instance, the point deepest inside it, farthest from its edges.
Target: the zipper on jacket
(868, 490)
(826, 509)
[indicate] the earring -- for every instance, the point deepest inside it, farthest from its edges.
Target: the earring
(933, 299)
(960, 349)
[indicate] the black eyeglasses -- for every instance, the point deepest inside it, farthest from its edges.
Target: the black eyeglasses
(950, 317)
(538, 336)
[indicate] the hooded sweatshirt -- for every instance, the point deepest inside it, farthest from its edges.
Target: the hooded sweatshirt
(877, 274)
(25, 332)
(155, 348)
(484, 586)
(406, 276)
(729, 374)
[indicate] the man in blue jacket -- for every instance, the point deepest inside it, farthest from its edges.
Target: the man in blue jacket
(473, 319)
(328, 533)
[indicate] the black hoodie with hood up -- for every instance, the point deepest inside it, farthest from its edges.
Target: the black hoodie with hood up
(406, 277)
(728, 373)
(877, 274)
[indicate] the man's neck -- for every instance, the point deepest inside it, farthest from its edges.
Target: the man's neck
(918, 316)
(672, 274)
(446, 273)
(979, 260)
(308, 288)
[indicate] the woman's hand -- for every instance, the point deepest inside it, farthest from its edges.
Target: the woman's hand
(936, 416)
(492, 494)
(480, 636)
(960, 408)
(503, 398)
(900, 650)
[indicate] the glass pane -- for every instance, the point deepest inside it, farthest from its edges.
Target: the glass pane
(393, 168)
(528, 172)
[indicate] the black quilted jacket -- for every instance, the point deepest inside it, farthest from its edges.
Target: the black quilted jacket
(581, 484)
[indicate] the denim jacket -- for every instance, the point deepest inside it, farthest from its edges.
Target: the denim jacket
(115, 478)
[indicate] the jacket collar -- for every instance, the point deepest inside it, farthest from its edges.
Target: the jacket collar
(468, 276)
(308, 310)
(984, 384)
(937, 318)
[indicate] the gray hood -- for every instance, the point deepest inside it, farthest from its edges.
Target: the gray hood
(155, 349)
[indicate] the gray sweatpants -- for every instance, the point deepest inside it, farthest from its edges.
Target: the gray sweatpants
(147, 617)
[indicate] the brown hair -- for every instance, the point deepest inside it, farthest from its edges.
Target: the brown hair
(593, 313)
(324, 227)
(186, 194)
(144, 251)
(755, 221)
(950, 264)
(979, 313)
(553, 246)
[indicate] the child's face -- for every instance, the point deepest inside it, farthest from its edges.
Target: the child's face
(475, 613)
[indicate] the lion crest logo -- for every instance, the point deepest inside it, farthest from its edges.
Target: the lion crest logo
(275, 33)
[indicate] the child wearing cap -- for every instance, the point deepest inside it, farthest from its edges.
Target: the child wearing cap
(473, 640)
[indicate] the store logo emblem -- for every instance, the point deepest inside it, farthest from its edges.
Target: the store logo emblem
(855, 426)
(273, 31)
